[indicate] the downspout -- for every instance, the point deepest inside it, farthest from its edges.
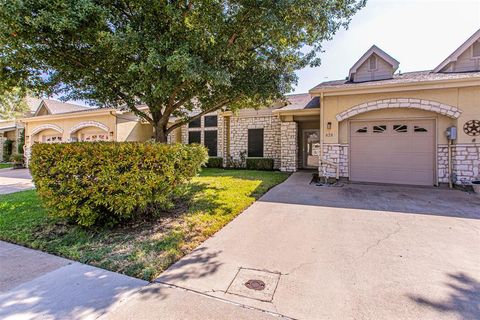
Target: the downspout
(450, 171)
(321, 129)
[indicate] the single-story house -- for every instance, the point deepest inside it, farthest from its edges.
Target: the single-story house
(377, 125)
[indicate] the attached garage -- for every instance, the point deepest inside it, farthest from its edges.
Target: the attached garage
(399, 152)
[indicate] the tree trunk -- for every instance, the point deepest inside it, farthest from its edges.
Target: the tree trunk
(161, 133)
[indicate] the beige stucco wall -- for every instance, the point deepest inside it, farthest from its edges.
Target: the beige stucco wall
(467, 99)
(465, 150)
(66, 124)
(130, 129)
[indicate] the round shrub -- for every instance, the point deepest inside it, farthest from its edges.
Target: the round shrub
(106, 182)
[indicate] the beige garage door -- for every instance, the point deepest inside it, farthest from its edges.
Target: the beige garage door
(400, 152)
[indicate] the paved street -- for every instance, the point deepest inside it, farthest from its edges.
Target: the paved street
(15, 180)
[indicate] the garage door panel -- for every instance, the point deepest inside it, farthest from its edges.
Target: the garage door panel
(391, 156)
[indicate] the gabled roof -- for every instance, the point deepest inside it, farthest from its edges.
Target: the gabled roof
(379, 52)
(57, 107)
(301, 101)
(454, 56)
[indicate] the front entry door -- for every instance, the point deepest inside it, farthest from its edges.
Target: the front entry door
(311, 140)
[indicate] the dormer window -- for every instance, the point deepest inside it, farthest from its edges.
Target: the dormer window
(373, 62)
(476, 50)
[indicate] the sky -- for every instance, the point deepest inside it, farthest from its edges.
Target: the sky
(420, 34)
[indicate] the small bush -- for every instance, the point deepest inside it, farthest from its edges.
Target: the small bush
(7, 150)
(260, 163)
(215, 162)
(21, 141)
(106, 182)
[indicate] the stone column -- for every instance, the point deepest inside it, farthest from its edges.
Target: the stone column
(288, 146)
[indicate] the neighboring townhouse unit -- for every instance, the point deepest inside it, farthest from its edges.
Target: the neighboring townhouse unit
(377, 125)
(55, 122)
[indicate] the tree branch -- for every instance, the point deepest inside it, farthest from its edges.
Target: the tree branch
(134, 108)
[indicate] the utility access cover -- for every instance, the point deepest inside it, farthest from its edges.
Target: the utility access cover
(254, 284)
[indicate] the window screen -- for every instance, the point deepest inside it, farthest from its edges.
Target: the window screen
(195, 123)
(255, 142)
(210, 121)
(210, 140)
(194, 137)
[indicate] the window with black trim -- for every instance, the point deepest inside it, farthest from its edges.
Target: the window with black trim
(400, 128)
(255, 142)
(210, 141)
(197, 123)
(195, 137)
(210, 121)
(362, 130)
(419, 129)
(379, 129)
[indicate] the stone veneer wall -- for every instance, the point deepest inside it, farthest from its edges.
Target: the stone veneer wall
(289, 146)
(465, 163)
(271, 136)
(337, 153)
(2, 141)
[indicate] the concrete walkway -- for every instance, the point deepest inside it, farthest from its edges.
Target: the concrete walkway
(15, 180)
(351, 252)
(37, 285)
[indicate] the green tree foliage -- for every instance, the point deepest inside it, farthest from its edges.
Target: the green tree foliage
(180, 58)
(107, 182)
(12, 102)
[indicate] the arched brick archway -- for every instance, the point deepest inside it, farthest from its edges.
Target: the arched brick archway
(86, 124)
(434, 106)
(46, 127)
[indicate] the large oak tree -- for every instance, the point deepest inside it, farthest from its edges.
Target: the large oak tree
(180, 58)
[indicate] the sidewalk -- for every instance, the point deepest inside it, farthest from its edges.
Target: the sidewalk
(37, 285)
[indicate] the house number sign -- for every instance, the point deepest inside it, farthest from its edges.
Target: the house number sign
(472, 127)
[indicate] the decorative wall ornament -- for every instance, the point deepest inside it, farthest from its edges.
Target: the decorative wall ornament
(472, 128)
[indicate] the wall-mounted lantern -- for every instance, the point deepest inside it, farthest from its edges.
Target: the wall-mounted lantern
(329, 125)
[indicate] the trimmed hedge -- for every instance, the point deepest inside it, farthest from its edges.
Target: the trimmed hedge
(215, 162)
(106, 182)
(260, 163)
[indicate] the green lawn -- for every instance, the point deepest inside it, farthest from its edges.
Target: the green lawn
(142, 248)
(5, 165)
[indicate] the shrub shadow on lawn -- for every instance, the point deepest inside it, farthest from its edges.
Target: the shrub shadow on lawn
(148, 244)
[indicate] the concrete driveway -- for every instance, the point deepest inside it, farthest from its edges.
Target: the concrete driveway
(351, 252)
(15, 180)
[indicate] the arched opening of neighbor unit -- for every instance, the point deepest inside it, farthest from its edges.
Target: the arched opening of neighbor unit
(47, 133)
(89, 131)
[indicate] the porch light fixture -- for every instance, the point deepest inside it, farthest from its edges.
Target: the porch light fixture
(329, 125)
(111, 133)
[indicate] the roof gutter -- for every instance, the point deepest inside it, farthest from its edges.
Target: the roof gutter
(297, 112)
(397, 87)
(77, 114)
